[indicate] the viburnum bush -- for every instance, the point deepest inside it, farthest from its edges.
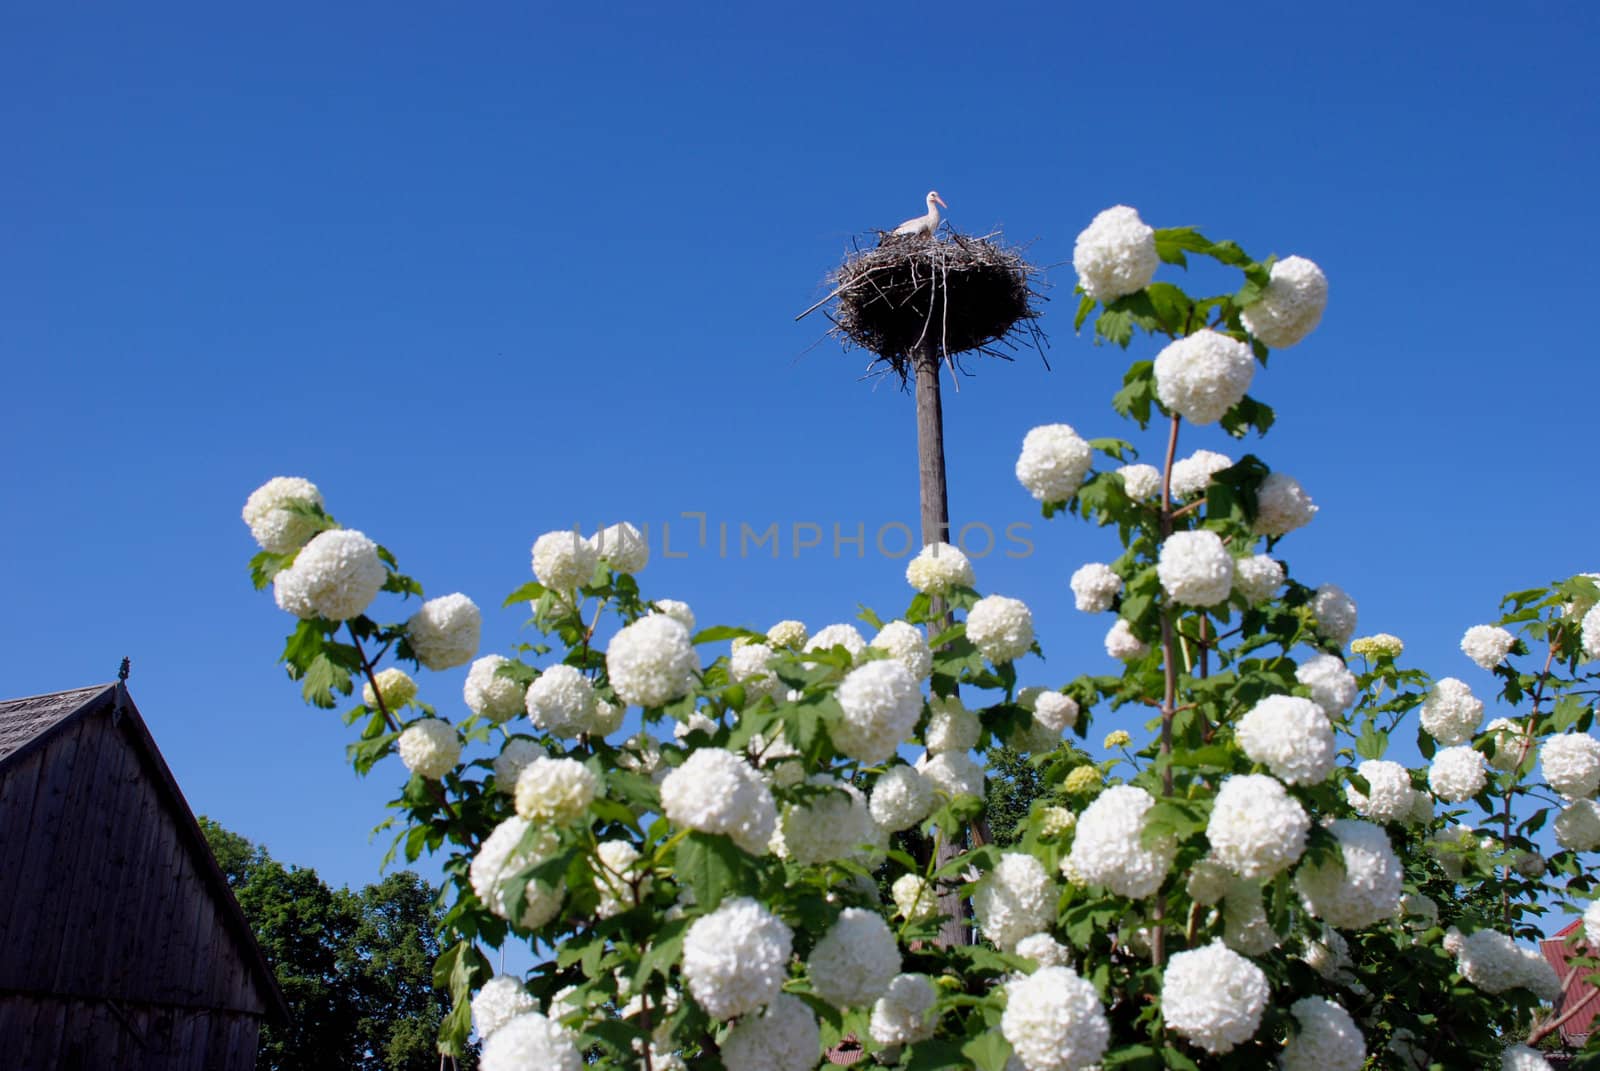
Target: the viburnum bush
(720, 844)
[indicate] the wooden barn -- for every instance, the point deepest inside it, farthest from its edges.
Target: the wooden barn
(120, 943)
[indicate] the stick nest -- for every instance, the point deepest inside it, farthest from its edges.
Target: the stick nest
(960, 293)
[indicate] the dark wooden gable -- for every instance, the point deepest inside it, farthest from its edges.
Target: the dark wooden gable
(112, 909)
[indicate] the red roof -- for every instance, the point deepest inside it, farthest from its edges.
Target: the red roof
(1580, 993)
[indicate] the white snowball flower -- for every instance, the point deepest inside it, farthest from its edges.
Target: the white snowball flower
(1530, 865)
(530, 1040)
(1054, 1021)
(939, 567)
(783, 1037)
(1589, 630)
(715, 791)
(1256, 828)
(1487, 645)
(1108, 849)
(750, 664)
(651, 662)
(1291, 306)
(1257, 578)
(906, 643)
(1094, 586)
(335, 576)
(1329, 956)
(1577, 827)
(905, 1012)
(1122, 644)
(736, 958)
(1591, 923)
(555, 791)
(1195, 568)
(1495, 963)
(953, 773)
(607, 717)
(1327, 1040)
(1044, 950)
(1115, 255)
(269, 513)
(394, 685)
(1509, 737)
(615, 883)
(561, 701)
(1366, 890)
(901, 798)
(1056, 712)
(855, 960)
(444, 632)
(1014, 900)
(564, 561)
(1390, 797)
(501, 999)
(1379, 645)
(1333, 686)
(1451, 713)
(678, 611)
(881, 702)
(951, 726)
(915, 898)
(841, 635)
(1247, 929)
(512, 760)
(1140, 481)
(1282, 506)
(1000, 627)
(1208, 881)
(832, 827)
(1335, 614)
(787, 633)
(1571, 764)
(1292, 736)
(502, 857)
(1522, 1058)
(1192, 475)
(1053, 463)
(1213, 997)
(430, 748)
(622, 546)
(1457, 774)
(489, 694)
(1202, 376)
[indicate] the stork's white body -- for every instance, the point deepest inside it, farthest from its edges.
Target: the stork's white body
(924, 225)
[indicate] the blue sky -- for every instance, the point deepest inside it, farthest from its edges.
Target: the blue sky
(488, 272)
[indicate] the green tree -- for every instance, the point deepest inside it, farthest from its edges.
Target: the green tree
(356, 968)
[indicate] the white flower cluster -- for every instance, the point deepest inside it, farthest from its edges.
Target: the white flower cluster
(430, 748)
(1247, 930)
(530, 1040)
(905, 1013)
(1122, 644)
(783, 1037)
(1192, 475)
(1054, 1021)
(715, 791)
(1522, 1058)
(1094, 586)
(1379, 645)
(489, 694)
(1508, 737)
(1000, 627)
(1107, 849)
(1055, 711)
(1282, 506)
(651, 661)
(394, 685)
(501, 999)
(939, 567)
(500, 858)
(268, 512)
(1053, 463)
(882, 702)
(1213, 997)
(736, 958)
(1365, 890)
(622, 546)
(1577, 827)
(1451, 713)
(1487, 645)
(855, 960)
(1589, 630)
(1292, 736)
(832, 826)
(1115, 254)
(615, 885)
(907, 645)
(1335, 613)
(1014, 900)
(1257, 578)
(1390, 797)
(1456, 774)
(1328, 1039)
(1333, 686)
(555, 791)
(444, 632)
(1256, 828)
(1195, 568)
(1044, 950)
(915, 898)
(335, 576)
(1291, 306)
(1591, 923)
(901, 798)
(1495, 963)
(951, 726)
(564, 561)
(1203, 375)
(1140, 481)
(677, 610)
(841, 635)
(787, 633)
(561, 701)
(512, 760)
(1571, 764)
(953, 773)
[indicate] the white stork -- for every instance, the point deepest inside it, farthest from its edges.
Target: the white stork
(924, 225)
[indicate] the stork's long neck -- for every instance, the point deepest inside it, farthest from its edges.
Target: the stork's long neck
(933, 215)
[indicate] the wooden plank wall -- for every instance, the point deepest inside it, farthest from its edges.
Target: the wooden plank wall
(45, 1033)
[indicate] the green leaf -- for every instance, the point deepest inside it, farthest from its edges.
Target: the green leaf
(714, 867)
(989, 1051)
(934, 1056)
(1115, 326)
(528, 592)
(1171, 242)
(1138, 392)
(1085, 307)
(726, 632)
(266, 565)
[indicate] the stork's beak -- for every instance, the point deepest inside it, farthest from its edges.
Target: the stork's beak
(940, 200)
